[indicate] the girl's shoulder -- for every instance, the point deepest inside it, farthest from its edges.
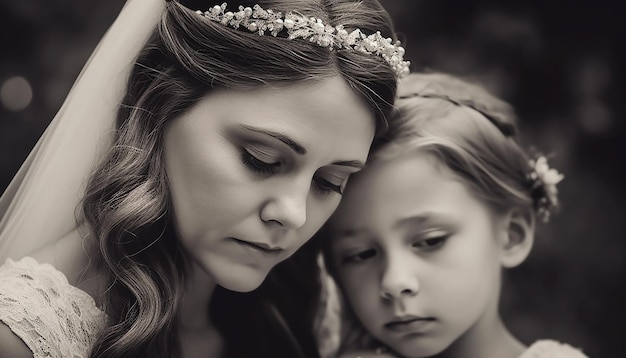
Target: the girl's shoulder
(52, 317)
(547, 348)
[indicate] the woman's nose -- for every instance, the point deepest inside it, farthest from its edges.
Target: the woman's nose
(287, 207)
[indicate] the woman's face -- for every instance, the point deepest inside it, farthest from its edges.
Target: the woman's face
(417, 256)
(253, 174)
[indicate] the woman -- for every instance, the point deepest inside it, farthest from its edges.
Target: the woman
(236, 134)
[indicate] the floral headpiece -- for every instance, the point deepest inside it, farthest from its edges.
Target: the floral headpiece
(258, 20)
(544, 180)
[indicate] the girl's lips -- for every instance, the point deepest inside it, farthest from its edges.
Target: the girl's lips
(410, 324)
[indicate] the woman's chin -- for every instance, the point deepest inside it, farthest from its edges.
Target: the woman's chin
(242, 287)
(241, 280)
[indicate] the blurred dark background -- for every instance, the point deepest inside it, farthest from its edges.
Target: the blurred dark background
(559, 63)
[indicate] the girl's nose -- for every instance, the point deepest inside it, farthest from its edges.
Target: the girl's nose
(398, 280)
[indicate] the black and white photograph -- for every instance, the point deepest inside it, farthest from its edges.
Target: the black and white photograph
(312, 179)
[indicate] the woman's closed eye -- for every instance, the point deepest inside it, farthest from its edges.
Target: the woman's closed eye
(325, 186)
(326, 181)
(266, 161)
(262, 160)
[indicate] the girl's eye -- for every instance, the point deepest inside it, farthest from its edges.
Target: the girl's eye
(359, 257)
(260, 161)
(431, 243)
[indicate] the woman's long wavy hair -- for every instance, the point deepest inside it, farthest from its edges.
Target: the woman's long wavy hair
(126, 206)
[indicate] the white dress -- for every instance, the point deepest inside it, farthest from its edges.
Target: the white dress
(52, 317)
(545, 348)
(552, 349)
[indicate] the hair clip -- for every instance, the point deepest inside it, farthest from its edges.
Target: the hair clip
(544, 180)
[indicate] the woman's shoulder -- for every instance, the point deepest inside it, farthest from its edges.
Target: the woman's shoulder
(50, 316)
(547, 348)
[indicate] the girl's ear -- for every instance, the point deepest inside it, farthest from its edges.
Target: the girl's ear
(518, 238)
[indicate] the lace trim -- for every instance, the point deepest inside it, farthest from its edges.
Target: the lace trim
(552, 349)
(52, 317)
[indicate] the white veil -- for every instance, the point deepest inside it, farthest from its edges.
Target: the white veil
(39, 204)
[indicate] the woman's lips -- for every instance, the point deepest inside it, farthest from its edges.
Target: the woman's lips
(260, 246)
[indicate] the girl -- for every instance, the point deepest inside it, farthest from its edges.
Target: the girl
(237, 130)
(420, 239)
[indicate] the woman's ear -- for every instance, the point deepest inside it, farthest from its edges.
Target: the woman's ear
(518, 238)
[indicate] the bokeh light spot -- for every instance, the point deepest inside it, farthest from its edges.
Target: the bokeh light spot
(16, 93)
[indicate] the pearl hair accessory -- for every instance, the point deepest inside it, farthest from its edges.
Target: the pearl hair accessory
(262, 21)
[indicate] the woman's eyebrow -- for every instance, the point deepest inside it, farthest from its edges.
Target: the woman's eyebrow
(295, 146)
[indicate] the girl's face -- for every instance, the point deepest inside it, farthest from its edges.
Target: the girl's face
(253, 174)
(416, 255)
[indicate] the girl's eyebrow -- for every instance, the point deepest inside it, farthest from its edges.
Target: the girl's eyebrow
(295, 146)
(413, 219)
(423, 218)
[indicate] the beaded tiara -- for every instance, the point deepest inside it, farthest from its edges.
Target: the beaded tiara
(262, 21)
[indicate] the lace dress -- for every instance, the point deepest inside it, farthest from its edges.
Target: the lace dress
(53, 318)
